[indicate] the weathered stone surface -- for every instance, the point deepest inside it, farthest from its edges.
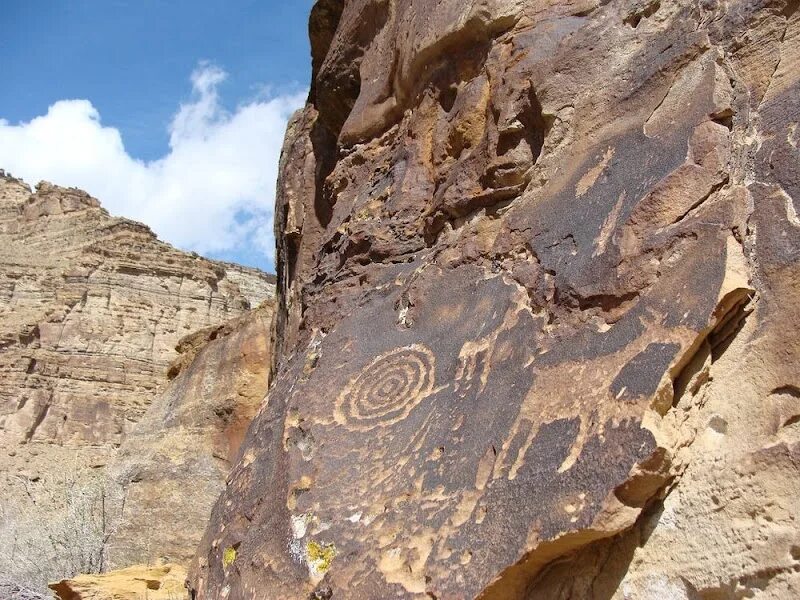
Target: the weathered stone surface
(91, 310)
(173, 465)
(538, 268)
(133, 583)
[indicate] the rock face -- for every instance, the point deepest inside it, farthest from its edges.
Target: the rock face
(91, 311)
(173, 465)
(538, 325)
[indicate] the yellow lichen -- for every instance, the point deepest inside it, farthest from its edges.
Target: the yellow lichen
(363, 214)
(320, 556)
(228, 556)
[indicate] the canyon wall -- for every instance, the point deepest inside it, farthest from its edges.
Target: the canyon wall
(94, 313)
(537, 326)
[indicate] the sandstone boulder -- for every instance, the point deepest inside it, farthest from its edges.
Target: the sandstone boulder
(133, 583)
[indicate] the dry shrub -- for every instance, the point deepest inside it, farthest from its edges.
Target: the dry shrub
(10, 590)
(54, 529)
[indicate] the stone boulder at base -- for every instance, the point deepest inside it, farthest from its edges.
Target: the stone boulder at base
(138, 582)
(538, 277)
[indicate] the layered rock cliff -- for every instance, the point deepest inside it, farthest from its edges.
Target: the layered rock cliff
(93, 307)
(93, 311)
(537, 331)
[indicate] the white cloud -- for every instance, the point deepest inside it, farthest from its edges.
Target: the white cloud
(213, 191)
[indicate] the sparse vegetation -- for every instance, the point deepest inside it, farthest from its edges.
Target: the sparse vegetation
(53, 532)
(10, 590)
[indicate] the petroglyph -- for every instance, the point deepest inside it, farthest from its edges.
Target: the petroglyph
(387, 389)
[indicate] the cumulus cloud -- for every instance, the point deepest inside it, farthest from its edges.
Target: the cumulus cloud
(213, 192)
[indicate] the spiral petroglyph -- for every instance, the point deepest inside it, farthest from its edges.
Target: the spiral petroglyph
(387, 389)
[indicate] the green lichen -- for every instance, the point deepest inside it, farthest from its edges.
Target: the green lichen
(228, 556)
(320, 556)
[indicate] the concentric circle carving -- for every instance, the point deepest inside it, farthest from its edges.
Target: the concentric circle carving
(388, 388)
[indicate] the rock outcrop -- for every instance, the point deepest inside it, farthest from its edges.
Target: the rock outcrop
(537, 332)
(92, 308)
(164, 582)
(172, 467)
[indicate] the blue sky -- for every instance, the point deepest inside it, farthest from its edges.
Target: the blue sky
(137, 100)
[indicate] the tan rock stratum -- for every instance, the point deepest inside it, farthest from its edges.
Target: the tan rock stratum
(96, 314)
(164, 582)
(537, 330)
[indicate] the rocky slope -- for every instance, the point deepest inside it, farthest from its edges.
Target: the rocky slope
(538, 327)
(92, 308)
(172, 467)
